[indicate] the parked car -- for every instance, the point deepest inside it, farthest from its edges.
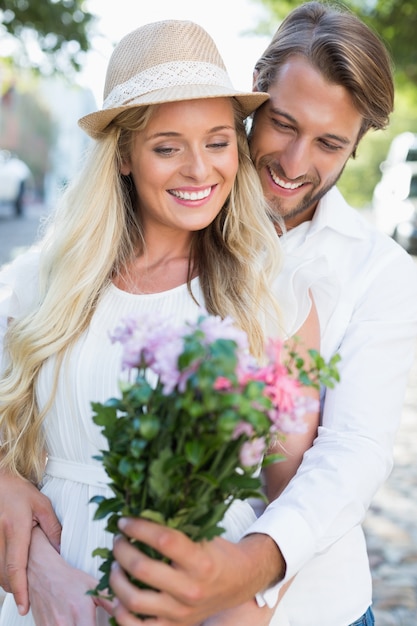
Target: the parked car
(14, 176)
(394, 199)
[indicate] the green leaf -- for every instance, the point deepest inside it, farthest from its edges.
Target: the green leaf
(103, 553)
(125, 466)
(107, 506)
(194, 452)
(240, 481)
(269, 459)
(153, 516)
(227, 423)
(105, 415)
(149, 426)
(159, 486)
(139, 394)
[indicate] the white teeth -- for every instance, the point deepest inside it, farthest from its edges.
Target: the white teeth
(191, 195)
(282, 183)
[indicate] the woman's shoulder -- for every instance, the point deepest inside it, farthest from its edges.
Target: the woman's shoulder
(19, 283)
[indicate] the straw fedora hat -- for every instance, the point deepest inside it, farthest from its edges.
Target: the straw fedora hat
(162, 62)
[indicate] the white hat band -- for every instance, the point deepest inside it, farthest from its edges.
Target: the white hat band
(171, 74)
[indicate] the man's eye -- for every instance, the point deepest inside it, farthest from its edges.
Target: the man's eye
(280, 124)
(330, 146)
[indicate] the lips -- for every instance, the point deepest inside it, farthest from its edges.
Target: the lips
(191, 195)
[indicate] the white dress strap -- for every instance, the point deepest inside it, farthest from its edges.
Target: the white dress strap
(85, 473)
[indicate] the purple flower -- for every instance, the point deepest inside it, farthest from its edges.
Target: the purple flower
(214, 327)
(242, 428)
(251, 452)
(149, 341)
(165, 361)
(124, 330)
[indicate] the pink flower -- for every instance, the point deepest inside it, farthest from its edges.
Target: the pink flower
(283, 391)
(251, 452)
(274, 350)
(222, 384)
(242, 428)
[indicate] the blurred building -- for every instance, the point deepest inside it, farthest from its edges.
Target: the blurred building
(38, 124)
(67, 104)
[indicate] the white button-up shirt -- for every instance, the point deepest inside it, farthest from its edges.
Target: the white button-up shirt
(372, 323)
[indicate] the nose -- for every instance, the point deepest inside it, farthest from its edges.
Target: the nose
(196, 164)
(295, 158)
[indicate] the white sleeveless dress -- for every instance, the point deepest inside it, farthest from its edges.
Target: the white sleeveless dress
(72, 475)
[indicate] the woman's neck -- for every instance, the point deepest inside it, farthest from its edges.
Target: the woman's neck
(162, 266)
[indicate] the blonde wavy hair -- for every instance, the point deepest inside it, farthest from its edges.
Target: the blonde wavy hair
(93, 235)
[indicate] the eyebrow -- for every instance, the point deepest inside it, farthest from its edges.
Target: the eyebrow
(344, 140)
(215, 129)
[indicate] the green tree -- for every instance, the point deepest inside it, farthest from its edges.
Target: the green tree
(396, 22)
(60, 28)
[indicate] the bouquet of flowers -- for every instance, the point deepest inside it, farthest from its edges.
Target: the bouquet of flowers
(194, 423)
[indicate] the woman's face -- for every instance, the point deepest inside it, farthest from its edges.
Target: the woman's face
(184, 164)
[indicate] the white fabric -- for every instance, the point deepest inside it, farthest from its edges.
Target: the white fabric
(164, 75)
(317, 520)
(91, 374)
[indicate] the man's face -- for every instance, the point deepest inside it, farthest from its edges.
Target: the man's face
(301, 139)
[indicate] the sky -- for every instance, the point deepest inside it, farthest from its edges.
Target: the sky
(224, 20)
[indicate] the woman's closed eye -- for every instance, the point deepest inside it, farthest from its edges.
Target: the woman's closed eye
(218, 144)
(165, 150)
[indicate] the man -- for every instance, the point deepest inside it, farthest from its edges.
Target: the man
(330, 81)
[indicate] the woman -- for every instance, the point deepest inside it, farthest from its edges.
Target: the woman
(165, 215)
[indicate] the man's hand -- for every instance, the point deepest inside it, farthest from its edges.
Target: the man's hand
(22, 507)
(201, 579)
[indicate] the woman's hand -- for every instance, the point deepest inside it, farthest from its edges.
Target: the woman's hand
(22, 506)
(57, 591)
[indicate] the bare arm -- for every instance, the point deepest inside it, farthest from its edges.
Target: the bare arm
(295, 445)
(57, 591)
(22, 506)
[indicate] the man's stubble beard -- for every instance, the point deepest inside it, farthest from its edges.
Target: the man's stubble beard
(304, 207)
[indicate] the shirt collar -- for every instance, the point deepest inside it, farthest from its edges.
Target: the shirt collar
(334, 212)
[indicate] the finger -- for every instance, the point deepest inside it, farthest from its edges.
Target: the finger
(171, 543)
(156, 573)
(106, 603)
(159, 604)
(126, 593)
(45, 516)
(125, 618)
(16, 558)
